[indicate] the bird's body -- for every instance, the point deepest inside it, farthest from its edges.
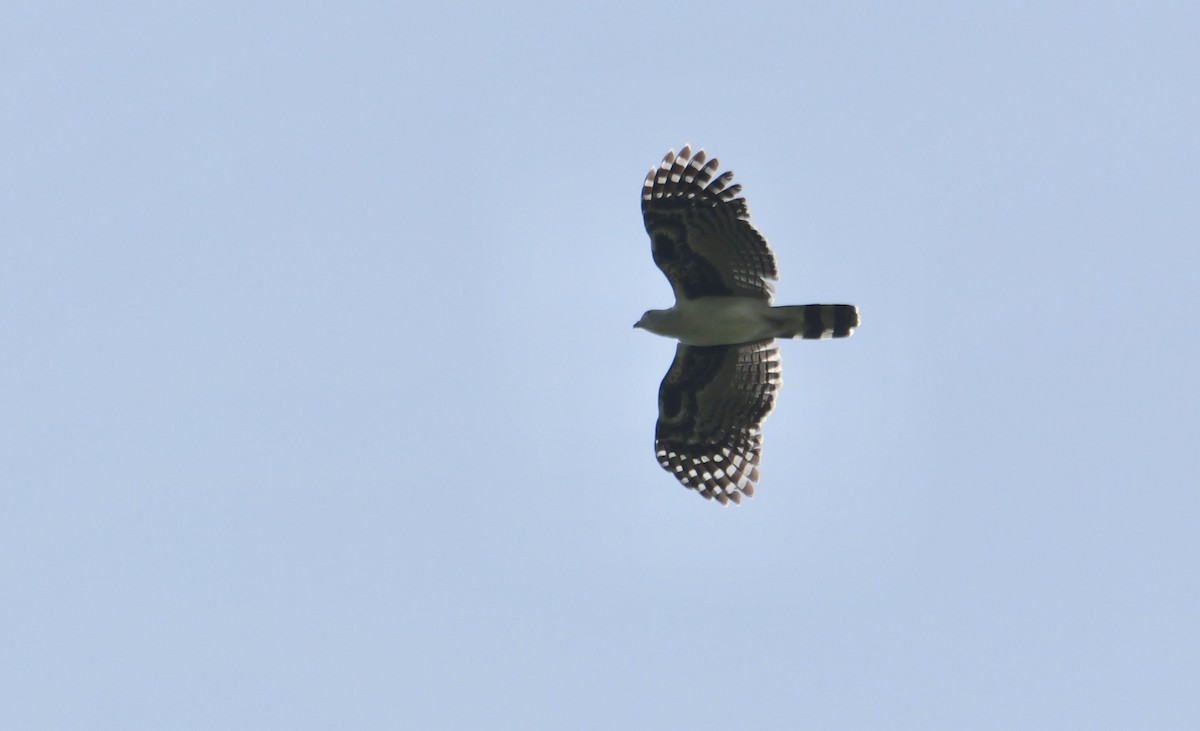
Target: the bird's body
(711, 321)
(737, 320)
(726, 372)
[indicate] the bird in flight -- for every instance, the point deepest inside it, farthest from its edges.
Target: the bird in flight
(722, 383)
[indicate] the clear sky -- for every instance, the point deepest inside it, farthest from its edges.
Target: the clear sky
(322, 407)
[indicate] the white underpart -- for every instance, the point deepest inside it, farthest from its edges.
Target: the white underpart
(712, 321)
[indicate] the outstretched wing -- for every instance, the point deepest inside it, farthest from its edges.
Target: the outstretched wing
(711, 405)
(701, 233)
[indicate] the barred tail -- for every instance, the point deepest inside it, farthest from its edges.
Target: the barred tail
(813, 322)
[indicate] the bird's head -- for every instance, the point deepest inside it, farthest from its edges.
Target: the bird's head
(651, 321)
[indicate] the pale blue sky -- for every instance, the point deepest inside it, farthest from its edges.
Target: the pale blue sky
(323, 408)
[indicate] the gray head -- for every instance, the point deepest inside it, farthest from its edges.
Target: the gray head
(652, 321)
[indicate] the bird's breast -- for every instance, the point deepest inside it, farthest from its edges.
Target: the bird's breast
(722, 320)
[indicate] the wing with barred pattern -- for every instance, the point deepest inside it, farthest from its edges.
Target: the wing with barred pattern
(711, 406)
(700, 230)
